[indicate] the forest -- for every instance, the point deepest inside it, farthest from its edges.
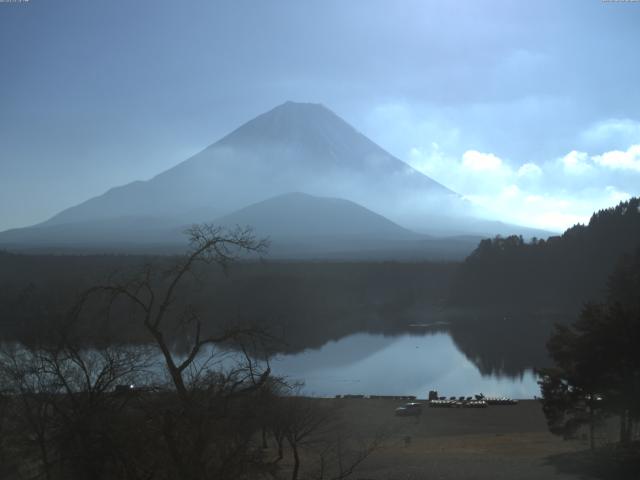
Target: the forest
(304, 303)
(559, 273)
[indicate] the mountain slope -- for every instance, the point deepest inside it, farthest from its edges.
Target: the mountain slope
(563, 271)
(302, 226)
(299, 226)
(294, 147)
(298, 215)
(127, 233)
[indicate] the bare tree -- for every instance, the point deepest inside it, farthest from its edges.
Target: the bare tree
(305, 419)
(204, 434)
(63, 407)
(314, 430)
(4, 426)
(343, 454)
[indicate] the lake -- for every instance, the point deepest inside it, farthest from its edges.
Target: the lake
(405, 364)
(375, 364)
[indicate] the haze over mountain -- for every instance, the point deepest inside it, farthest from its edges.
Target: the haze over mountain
(295, 147)
(304, 226)
(300, 215)
(298, 225)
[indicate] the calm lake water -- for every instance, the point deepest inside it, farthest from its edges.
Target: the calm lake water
(407, 364)
(376, 364)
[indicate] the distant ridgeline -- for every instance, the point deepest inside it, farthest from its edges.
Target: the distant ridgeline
(560, 273)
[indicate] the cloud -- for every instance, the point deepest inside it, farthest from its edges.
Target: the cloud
(616, 195)
(553, 194)
(529, 170)
(610, 134)
(576, 163)
(474, 160)
(619, 160)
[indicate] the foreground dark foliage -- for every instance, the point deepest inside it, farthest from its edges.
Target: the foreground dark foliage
(608, 462)
(597, 362)
(68, 410)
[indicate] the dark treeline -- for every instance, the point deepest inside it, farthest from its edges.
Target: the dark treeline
(304, 304)
(559, 273)
(513, 292)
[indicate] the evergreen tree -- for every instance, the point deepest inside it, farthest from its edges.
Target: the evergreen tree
(597, 361)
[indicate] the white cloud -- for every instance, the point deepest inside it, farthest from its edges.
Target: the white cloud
(511, 191)
(474, 160)
(530, 170)
(576, 163)
(616, 195)
(554, 195)
(559, 221)
(620, 160)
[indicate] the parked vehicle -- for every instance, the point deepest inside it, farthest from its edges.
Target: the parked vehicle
(411, 409)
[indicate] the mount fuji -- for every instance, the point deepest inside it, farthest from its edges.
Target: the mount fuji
(295, 147)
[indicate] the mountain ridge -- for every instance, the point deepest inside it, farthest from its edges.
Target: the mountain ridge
(299, 226)
(304, 215)
(289, 147)
(294, 147)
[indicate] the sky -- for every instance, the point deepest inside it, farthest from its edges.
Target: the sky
(531, 110)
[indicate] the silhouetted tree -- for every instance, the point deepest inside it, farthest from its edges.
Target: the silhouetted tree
(64, 412)
(208, 430)
(73, 415)
(597, 360)
(316, 434)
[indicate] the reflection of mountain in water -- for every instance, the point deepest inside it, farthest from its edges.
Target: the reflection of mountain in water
(506, 345)
(497, 344)
(338, 353)
(405, 364)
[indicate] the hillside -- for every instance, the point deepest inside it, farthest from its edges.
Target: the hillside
(300, 215)
(561, 272)
(295, 147)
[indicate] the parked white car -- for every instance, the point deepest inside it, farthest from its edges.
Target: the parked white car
(411, 409)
